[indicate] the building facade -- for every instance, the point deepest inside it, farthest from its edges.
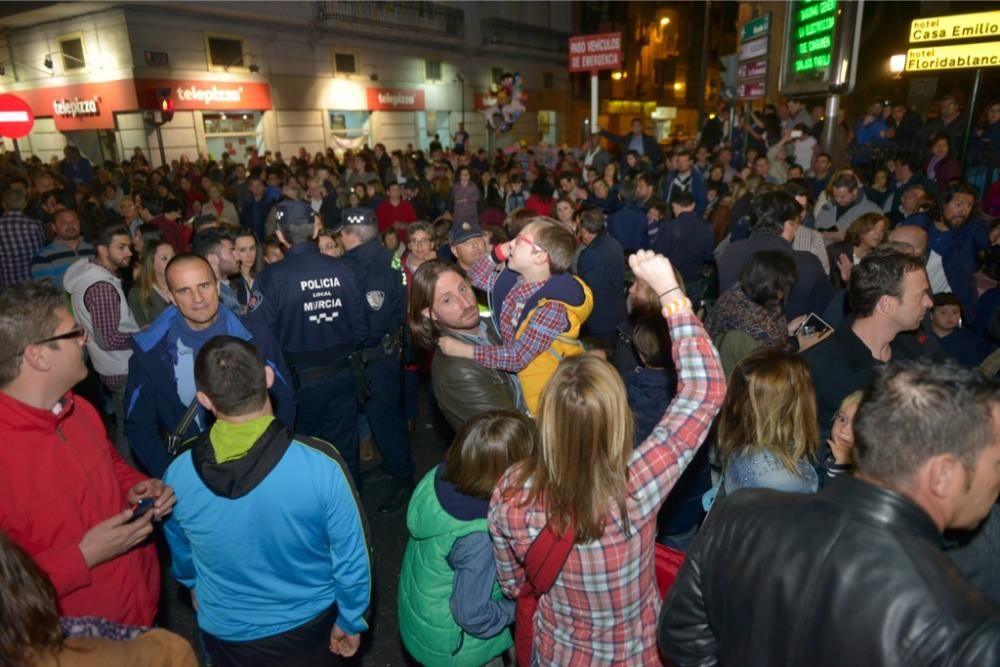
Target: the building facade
(279, 76)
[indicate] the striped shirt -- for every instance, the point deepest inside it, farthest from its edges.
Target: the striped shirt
(52, 261)
(20, 238)
(604, 606)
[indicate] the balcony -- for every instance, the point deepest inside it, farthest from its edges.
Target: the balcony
(501, 34)
(425, 18)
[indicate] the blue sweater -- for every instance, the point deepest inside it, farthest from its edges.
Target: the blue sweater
(271, 540)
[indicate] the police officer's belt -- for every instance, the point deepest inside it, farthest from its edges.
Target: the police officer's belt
(309, 367)
(389, 347)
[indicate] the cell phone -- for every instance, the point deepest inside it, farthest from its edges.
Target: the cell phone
(814, 324)
(141, 509)
(795, 134)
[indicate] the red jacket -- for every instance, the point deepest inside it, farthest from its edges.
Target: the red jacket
(395, 217)
(59, 476)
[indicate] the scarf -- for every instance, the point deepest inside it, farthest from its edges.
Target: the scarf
(734, 311)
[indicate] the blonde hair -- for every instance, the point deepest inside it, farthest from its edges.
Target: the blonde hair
(770, 407)
(580, 469)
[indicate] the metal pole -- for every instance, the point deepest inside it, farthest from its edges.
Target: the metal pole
(463, 100)
(17, 154)
(968, 119)
(593, 102)
(159, 142)
(703, 70)
(830, 122)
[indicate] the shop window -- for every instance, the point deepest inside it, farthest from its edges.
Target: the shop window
(548, 80)
(71, 48)
(238, 122)
(233, 132)
(432, 70)
(345, 63)
(350, 129)
(224, 52)
(547, 126)
(430, 123)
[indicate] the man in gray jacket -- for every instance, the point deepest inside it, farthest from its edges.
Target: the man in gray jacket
(443, 303)
(847, 204)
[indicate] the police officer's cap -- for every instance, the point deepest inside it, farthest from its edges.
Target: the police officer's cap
(351, 217)
(290, 211)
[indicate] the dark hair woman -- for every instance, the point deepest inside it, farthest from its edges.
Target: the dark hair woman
(31, 633)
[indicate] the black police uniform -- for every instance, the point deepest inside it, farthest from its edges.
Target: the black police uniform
(312, 303)
(384, 296)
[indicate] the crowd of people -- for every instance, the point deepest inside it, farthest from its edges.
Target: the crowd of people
(770, 363)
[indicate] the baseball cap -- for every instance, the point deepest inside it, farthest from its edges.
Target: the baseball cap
(412, 184)
(463, 231)
(355, 216)
(290, 211)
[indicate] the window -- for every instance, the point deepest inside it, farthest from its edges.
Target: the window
(71, 48)
(548, 80)
(225, 52)
(495, 74)
(664, 71)
(345, 63)
(432, 70)
(232, 122)
(350, 129)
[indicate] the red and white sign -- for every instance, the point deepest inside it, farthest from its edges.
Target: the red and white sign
(82, 106)
(16, 117)
(755, 90)
(590, 53)
(206, 95)
(395, 99)
(755, 69)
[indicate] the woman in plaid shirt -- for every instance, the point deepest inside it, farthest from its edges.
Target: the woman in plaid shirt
(603, 608)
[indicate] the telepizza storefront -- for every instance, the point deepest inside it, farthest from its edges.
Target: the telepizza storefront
(108, 120)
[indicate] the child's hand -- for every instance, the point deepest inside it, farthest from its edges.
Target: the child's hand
(656, 271)
(455, 348)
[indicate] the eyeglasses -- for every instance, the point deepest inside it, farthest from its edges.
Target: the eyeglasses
(69, 335)
(527, 240)
(420, 242)
(79, 332)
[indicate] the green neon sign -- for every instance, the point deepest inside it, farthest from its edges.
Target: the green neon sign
(814, 23)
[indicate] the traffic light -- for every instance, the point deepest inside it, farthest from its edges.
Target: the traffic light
(166, 105)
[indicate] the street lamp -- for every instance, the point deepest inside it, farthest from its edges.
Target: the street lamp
(665, 21)
(51, 66)
(253, 67)
(897, 65)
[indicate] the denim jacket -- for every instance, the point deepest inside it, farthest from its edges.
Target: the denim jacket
(764, 470)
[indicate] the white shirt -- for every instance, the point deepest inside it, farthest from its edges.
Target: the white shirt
(935, 274)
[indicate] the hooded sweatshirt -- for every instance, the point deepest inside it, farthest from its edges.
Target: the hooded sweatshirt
(270, 537)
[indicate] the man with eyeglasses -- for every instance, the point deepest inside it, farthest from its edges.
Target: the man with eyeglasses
(65, 494)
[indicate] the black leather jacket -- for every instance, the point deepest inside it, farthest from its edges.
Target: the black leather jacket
(464, 389)
(853, 575)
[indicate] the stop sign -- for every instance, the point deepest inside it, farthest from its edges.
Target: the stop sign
(16, 117)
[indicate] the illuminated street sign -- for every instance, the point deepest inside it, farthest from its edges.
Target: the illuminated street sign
(958, 56)
(960, 26)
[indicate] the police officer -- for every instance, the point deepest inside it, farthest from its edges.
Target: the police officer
(312, 304)
(384, 297)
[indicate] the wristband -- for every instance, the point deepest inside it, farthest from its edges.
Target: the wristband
(676, 306)
(498, 253)
(660, 296)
